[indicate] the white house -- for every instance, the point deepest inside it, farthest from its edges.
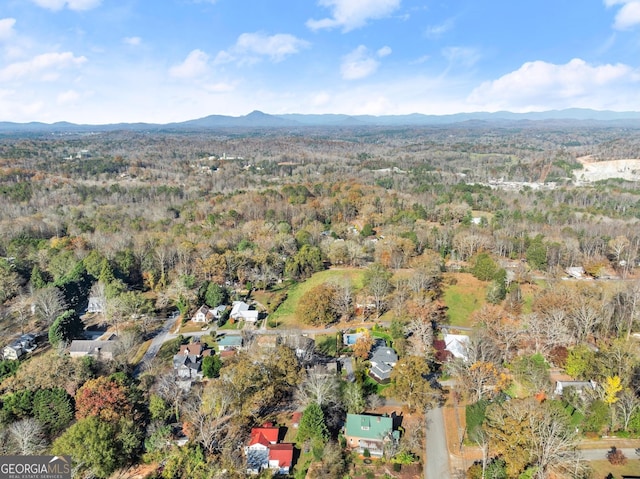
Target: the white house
(19, 347)
(579, 386)
(457, 344)
(240, 311)
(203, 315)
(96, 305)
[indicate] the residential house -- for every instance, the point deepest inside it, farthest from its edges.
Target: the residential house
(188, 362)
(303, 346)
(229, 342)
(265, 452)
(218, 311)
(457, 345)
(105, 350)
(383, 360)
(576, 272)
(96, 304)
(240, 312)
(203, 315)
(579, 386)
(328, 368)
(19, 347)
(366, 432)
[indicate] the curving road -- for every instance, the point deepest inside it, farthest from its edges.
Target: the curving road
(159, 339)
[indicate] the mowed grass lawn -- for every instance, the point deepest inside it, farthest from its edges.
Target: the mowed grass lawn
(463, 298)
(603, 468)
(285, 315)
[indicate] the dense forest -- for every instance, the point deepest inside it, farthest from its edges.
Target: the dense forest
(153, 223)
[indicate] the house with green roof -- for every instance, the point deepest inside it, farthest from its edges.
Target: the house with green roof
(229, 342)
(363, 431)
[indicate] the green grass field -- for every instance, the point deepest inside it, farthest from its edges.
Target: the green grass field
(284, 316)
(463, 298)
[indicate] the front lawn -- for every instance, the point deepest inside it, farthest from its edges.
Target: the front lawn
(602, 468)
(327, 344)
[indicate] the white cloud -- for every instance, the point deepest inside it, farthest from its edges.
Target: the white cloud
(540, 85)
(461, 56)
(67, 97)
(320, 99)
(436, 31)
(19, 109)
(384, 51)
(250, 47)
(220, 87)
(6, 28)
(78, 5)
(133, 41)
(358, 64)
(352, 14)
(43, 67)
(420, 60)
(628, 16)
(193, 66)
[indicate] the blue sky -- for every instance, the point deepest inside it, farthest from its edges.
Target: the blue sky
(106, 61)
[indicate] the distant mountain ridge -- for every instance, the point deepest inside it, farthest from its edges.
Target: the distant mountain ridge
(258, 119)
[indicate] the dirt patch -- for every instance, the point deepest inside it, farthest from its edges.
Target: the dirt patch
(627, 169)
(359, 470)
(462, 455)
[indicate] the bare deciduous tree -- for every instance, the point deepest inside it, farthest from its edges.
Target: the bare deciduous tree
(21, 309)
(627, 405)
(318, 387)
(585, 319)
(27, 436)
(421, 338)
(49, 303)
(208, 412)
(343, 298)
(169, 390)
(546, 331)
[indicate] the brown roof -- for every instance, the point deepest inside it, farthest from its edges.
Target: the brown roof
(192, 349)
(296, 416)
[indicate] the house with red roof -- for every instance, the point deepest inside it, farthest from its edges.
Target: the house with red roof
(264, 452)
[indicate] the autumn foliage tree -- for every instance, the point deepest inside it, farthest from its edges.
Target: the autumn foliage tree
(529, 435)
(409, 383)
(105, 398)
(315, 306)
(363, 345)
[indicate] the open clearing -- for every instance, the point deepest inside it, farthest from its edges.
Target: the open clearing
(463, 297)
(285, 315)
(591, 171)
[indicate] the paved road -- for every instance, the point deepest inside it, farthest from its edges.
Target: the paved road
(437, 463)
(165, 334)
(160, 338)
(597, 454)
